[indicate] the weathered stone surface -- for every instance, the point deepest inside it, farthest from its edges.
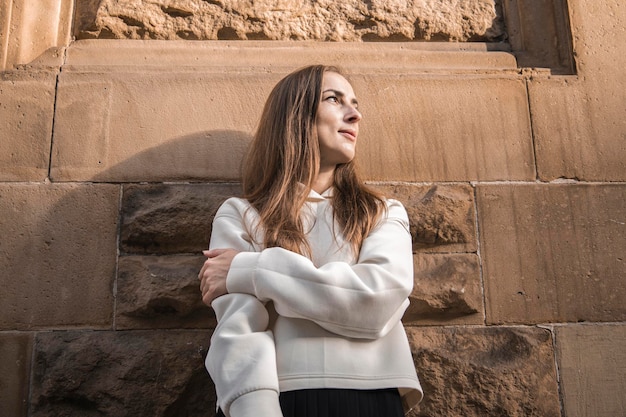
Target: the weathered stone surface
(170, 218)
(591, 366)
(447, 288)
(553, 253)
(579, 124)
(5, 24)
(158, 373)
(28, 28)
(184, 126)
(436, 137)
(161, 292)
(539, 34)
(15, 356)
(131, 56)
(441, 216)
(193, 123)
(580, 130)
(493, 371)
(325, 20)
(57, 255)
(26, 112)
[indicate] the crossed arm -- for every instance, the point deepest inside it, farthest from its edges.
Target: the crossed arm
(360, 300)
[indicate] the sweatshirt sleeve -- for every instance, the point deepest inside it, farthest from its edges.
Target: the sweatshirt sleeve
(242, 355)
(361, 300)
(242, 358)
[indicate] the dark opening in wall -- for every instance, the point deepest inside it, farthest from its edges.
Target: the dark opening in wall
(540, 35)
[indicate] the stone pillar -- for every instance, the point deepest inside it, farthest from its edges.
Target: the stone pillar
(28, 28)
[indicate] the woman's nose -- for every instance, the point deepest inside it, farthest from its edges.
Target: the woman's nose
(353, 115)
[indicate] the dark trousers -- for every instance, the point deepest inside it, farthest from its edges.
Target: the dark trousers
(340, 403)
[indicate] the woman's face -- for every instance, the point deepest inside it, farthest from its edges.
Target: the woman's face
(337, 121)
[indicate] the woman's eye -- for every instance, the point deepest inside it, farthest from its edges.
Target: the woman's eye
(334, 99)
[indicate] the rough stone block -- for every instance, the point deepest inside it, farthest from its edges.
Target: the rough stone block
(161, 292)
(328, 20)
(441, 217)
(26, 112)
(591, 366)
(170, 218)
(553, 253)
(157, 373)
(15, 357)
(447, 289)
(57, 255)
(477, 372)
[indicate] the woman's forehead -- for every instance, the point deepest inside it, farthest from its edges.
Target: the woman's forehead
(335, 81)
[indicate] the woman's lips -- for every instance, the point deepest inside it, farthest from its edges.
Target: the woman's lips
(350, 134)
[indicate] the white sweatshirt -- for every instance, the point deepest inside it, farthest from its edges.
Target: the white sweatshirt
(290, 322)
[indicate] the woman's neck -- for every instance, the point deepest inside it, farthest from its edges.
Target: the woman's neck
(324, 180)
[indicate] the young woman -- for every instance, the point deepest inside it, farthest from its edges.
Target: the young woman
(309, 274)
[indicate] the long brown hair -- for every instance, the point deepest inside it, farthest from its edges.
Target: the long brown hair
(283, 160)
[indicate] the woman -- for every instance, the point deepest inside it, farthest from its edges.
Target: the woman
(309, 274)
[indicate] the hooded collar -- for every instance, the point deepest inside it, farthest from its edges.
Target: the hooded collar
(315, 196)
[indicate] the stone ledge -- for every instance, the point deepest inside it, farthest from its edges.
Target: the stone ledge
(284, 56)
(196, 125)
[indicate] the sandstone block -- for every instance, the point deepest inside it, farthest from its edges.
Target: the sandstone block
(28, 28)
(26, 111)
(441, 217)
(493, 371)
(184, 126)
(591, 365)
(57, 255)
(447, 289)
(446, 129)
(580, 131)
(594, 26)
(553, 253)
(170, 218)
(194, 123)
(157, 373)
(161, 292)
(15, 357)
(326, 20)
(579, 124)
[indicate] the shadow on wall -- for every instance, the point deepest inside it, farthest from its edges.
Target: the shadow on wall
(88, 260)
(202, 156)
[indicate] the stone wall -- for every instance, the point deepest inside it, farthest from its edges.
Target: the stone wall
(114, 155)
(324, 20)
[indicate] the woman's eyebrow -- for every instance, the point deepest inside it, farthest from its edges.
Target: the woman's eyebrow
(340, 94)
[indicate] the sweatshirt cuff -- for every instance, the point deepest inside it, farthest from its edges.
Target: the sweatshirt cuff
(256, 403)
(240, 278)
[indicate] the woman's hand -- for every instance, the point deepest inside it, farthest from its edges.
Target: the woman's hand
(213, 273)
